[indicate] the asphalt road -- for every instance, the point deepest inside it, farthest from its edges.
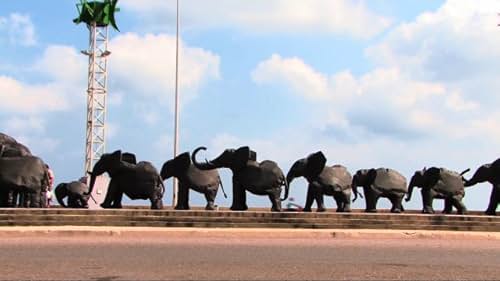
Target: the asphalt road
(162, 258)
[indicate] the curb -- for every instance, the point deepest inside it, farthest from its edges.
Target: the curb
(237, 233)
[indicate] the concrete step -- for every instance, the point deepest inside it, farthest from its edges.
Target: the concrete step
(251, 225)
(261, 219)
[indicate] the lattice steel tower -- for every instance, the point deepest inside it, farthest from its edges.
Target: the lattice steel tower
(98, 16)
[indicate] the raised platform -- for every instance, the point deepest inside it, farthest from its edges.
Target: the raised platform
(248, 219)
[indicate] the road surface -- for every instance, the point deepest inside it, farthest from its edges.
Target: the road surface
(204, 258)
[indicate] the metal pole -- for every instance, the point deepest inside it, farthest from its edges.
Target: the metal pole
(176, 118)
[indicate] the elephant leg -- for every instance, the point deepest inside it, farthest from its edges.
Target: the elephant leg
(396, 200)
(340, 202)
(274, 196)
(183, 199)
(319, 200)
(117, 201)
(459, 205)
(309, 199)
(371, 200)
(448, 205)
(210, 195)
(83, 201)
(427, 198)
(239, 197)
(35, 200)
(347, 202)
(494, 201)
(3, 198)
(110, 195)
(26, 200)
(11, 198)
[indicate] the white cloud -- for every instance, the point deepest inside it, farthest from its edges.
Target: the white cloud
(19, 125)
(285, 16)
(19, 29)
(146, 65)
(65, 75)
(454, 43)
(301, 78)
(63, 64)
(18, 97)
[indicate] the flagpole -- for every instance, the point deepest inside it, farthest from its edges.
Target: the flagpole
(176, 118)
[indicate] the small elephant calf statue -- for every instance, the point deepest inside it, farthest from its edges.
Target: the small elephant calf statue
(381, 182)
(75, 191)
(323, 180)
(442, 184)
(190, 177)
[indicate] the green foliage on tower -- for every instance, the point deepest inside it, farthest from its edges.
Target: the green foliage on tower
(102, 13)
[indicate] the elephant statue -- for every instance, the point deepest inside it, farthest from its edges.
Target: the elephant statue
(75, 192)
(27, 176)
(489, 173)
(442, 184)
(323, 180)
(190, 177)
(381, 182)
(9, 147)
(137, 181)
(264, 178)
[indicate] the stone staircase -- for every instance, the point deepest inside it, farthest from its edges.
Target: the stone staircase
(249, 219)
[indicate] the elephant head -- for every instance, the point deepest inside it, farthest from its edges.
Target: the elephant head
(423, 178)
(175, 167)
(109, 162)
(487, 172)
(363, 177)
(14, 150)
(234, 159)
(61, 192)
(309, 167)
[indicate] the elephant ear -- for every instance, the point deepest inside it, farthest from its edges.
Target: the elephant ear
(129, 158)
(241, 157)
(253, 155)
(371, 175)
(117, 155)
(432, 176)
(2, 148)
(182, 162)
(315, 164)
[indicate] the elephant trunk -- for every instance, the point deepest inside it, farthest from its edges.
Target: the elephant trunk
(354, 186)
(93, 177)
(410, 190)
(202, 166)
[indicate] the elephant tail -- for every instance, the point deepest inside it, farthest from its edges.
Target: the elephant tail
(162, 185)
(284, 183)
(465, 171)
(222, 187)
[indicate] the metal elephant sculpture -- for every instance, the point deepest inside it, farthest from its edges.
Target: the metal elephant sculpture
(323, 180)
(137, 181)
(489, 173)
(203, 181)
(381, 182)
(27, 176)
(75, 192)
(439, 183)
(261, 178)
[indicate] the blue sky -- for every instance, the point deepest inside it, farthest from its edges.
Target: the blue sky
(399, 84)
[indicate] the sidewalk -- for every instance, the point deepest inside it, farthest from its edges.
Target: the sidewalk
(249, 233)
